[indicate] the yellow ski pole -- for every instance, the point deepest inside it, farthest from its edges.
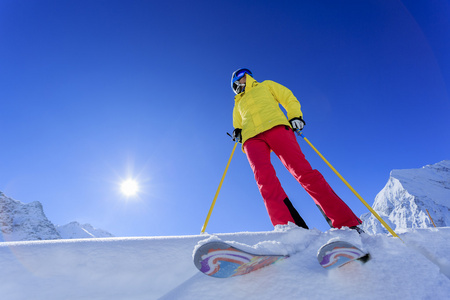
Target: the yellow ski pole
(350, 187)
(218, 190)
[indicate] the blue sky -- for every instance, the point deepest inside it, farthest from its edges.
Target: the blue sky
(95, 92)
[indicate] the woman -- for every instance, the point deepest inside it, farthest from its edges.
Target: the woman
(261, 126)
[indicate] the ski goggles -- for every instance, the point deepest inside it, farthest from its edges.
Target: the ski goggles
(240, 73)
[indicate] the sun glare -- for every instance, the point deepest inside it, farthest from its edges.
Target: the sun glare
(129, 187)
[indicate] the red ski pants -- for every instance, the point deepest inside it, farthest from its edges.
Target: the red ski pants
(282, 141)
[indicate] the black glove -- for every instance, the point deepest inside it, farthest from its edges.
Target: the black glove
(297, 123)
(237, 135)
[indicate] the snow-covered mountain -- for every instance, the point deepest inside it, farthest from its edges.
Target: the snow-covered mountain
(408, 194)
(24, 222)
(75, 230)
(28, 222)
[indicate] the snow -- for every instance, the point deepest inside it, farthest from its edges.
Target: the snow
(75, 230)
(21, 222)
(414, 266)
(28, 222)
(410, 197)
(162, 267)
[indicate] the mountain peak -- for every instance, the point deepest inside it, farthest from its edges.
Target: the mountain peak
(75, 230)
(410, 195)
(27, 222)
(24, 222)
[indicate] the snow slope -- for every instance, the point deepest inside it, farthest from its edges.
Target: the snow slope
(162, 268)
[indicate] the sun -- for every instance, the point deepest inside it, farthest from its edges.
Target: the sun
(129, 187)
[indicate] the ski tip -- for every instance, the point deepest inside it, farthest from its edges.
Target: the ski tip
(338, 253)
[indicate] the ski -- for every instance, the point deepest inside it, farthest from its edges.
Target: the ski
(339, 253)
(221, 260)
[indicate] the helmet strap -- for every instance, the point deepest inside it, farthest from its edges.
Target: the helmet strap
(240, 87)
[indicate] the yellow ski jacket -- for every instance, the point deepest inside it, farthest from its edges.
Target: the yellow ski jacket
(257, 109)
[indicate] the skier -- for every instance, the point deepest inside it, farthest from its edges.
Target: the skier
(261, 126)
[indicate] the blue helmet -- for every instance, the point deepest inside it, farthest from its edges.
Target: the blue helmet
(237, 75)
